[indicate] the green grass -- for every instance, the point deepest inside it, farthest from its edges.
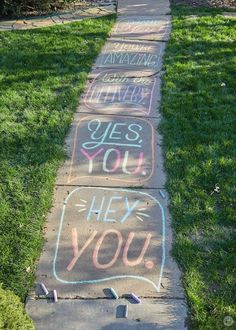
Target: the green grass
(199, 114)
(12, 312)
(42, 74)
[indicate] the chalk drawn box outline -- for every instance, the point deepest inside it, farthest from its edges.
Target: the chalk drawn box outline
(117, 277)
(124, 34)
(96, 80)
(76, 140)
(107, 49)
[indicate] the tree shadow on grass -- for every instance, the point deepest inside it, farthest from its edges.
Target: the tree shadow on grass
(42, 74)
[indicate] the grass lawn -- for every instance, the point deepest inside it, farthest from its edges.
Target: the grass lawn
(199, 114)
(42, 74)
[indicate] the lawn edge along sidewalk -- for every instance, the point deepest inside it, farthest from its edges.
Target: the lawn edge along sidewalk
(66, 17)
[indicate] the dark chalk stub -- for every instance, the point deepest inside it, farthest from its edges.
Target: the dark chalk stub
(120, 311)
(110, 293)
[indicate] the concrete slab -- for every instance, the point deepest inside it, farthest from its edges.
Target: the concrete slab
(98, 238)
(105, 10)
(131, 55)
(42, 23)
(113, 151)
(229, 15)
(143, 27)
(115, 92)
(75, 314)
(146, 7)
(5, 28)
(76, 15)
(7, 23)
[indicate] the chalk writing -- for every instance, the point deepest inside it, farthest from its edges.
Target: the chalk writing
(123, 94)
(140, 55)
(122, 78)
(149, 60)
(77, 253)
(142, 25)
(138, 47)
(87, 245)
(110, 133)
(112, 91)
(102, 215)
(116, 147)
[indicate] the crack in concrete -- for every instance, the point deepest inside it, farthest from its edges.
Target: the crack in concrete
(129, 77)
(138, 39)
(119, 115)
(107, 298)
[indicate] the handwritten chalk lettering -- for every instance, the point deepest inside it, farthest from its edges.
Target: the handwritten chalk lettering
(144, 59)
(145, 29)
(101, 209)
(98, 245)
(75, 248)
(142, 25)
(120, 46)
(114, 148)
(109, 133)
(117, 160)
(111, 234)
(118, 241)
(128, 94)
(91, 158)
(105, 209)
(114, 158)
(136, 262)
(117, 92)
(142, 80)
(118, 78)
(121, 160)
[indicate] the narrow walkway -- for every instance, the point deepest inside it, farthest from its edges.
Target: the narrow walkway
(110, 225)
(102, 9)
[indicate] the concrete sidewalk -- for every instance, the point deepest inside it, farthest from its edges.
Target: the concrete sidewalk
(110, 224)
(77, 14)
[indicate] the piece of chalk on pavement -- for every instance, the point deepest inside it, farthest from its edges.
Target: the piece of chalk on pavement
(126, 311)
(136, 298)
(162, 194)
(115, 295)
(45, 290)
(55, 295)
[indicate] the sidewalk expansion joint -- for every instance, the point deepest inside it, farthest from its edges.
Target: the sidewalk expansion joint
(108, 298)
(115, 187)
(118, 68)
(120, 115)
(138, 39)
(122, 38)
